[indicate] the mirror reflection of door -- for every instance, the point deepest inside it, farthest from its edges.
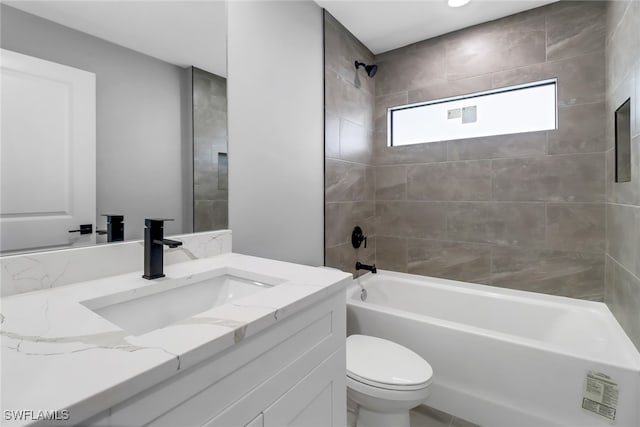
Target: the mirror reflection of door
(47, 152)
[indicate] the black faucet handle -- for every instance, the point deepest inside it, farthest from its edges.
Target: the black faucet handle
(114, 217)
(157, 222)
(357, 237)
(171, 243)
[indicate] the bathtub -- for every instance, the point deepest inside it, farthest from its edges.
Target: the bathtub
(502, 357)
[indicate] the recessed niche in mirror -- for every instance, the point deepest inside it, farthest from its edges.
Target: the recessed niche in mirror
(623, 142)
(104, 119)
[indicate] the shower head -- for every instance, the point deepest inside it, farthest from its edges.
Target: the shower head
(370, 69)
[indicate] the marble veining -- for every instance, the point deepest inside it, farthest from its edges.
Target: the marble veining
(43, 270)
(51, 337)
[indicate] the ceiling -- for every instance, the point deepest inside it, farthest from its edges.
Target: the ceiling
(180, 32)
(185, 32)
(386, 25)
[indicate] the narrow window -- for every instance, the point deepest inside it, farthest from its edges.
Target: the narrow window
(523, 108)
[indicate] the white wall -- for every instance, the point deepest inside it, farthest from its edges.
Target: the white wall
(275, 119)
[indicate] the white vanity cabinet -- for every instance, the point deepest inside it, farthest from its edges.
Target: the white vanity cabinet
(290, 374)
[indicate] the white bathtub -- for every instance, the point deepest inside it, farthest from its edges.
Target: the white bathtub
(502, 357)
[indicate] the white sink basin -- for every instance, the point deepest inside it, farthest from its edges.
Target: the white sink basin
(169, 301)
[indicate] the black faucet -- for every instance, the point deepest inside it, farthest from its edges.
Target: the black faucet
(154, 242)
(371, 268)
(115, 228)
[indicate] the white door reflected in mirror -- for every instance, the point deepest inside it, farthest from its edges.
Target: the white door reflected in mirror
(49, 124)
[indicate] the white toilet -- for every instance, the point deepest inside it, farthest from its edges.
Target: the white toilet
(385, 380)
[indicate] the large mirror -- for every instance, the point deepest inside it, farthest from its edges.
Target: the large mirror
(112, 112)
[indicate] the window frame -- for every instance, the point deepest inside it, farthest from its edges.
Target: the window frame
(505, 89)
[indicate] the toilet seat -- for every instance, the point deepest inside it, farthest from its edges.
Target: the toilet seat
(384, 364)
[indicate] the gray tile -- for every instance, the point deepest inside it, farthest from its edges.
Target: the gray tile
(417, 153)
(573, 178)
(580, 79)
(622, 235)
(465, 181)
(391, 253)
(411, 67)
(341, 217)
(369, 183)
(447, 88)
(609, 174)
(209, 191)
(609, 273)
(425, 416)
(202, 216)
(208, 177)
(344, 256)
(530, 20)
(637, 241)
(342, 49)
(488, 52)
(209, 91)
(203, 157)
(382, 103)
(331, 136)
(627, 193)
(220, 214)
(580, 130)
(209, 125)
(615, 98)
(204, 168)
(344, 181)
(411, 219)
(450, 260)
(526, 144)
(356, 143)
(625, 40)
(635, 103)
(391, 182)
(614, 12)
(552, 272)
(576, 227)
(210, 215)
(499, 223)
(575, 31)
(344, 100)
(622, 295)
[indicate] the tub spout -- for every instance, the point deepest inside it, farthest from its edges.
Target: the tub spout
(371, 268)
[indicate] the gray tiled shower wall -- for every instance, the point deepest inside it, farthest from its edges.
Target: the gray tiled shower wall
(210, 188)
(349, 170)
(523, 211)
(622, 262)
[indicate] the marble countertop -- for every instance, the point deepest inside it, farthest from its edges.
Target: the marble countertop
(57, 354)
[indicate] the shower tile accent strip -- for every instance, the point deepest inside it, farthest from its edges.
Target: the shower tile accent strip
(524, 211)
(622, 261)
(42, 270)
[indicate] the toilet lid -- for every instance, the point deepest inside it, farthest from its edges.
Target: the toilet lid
(385, 364)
